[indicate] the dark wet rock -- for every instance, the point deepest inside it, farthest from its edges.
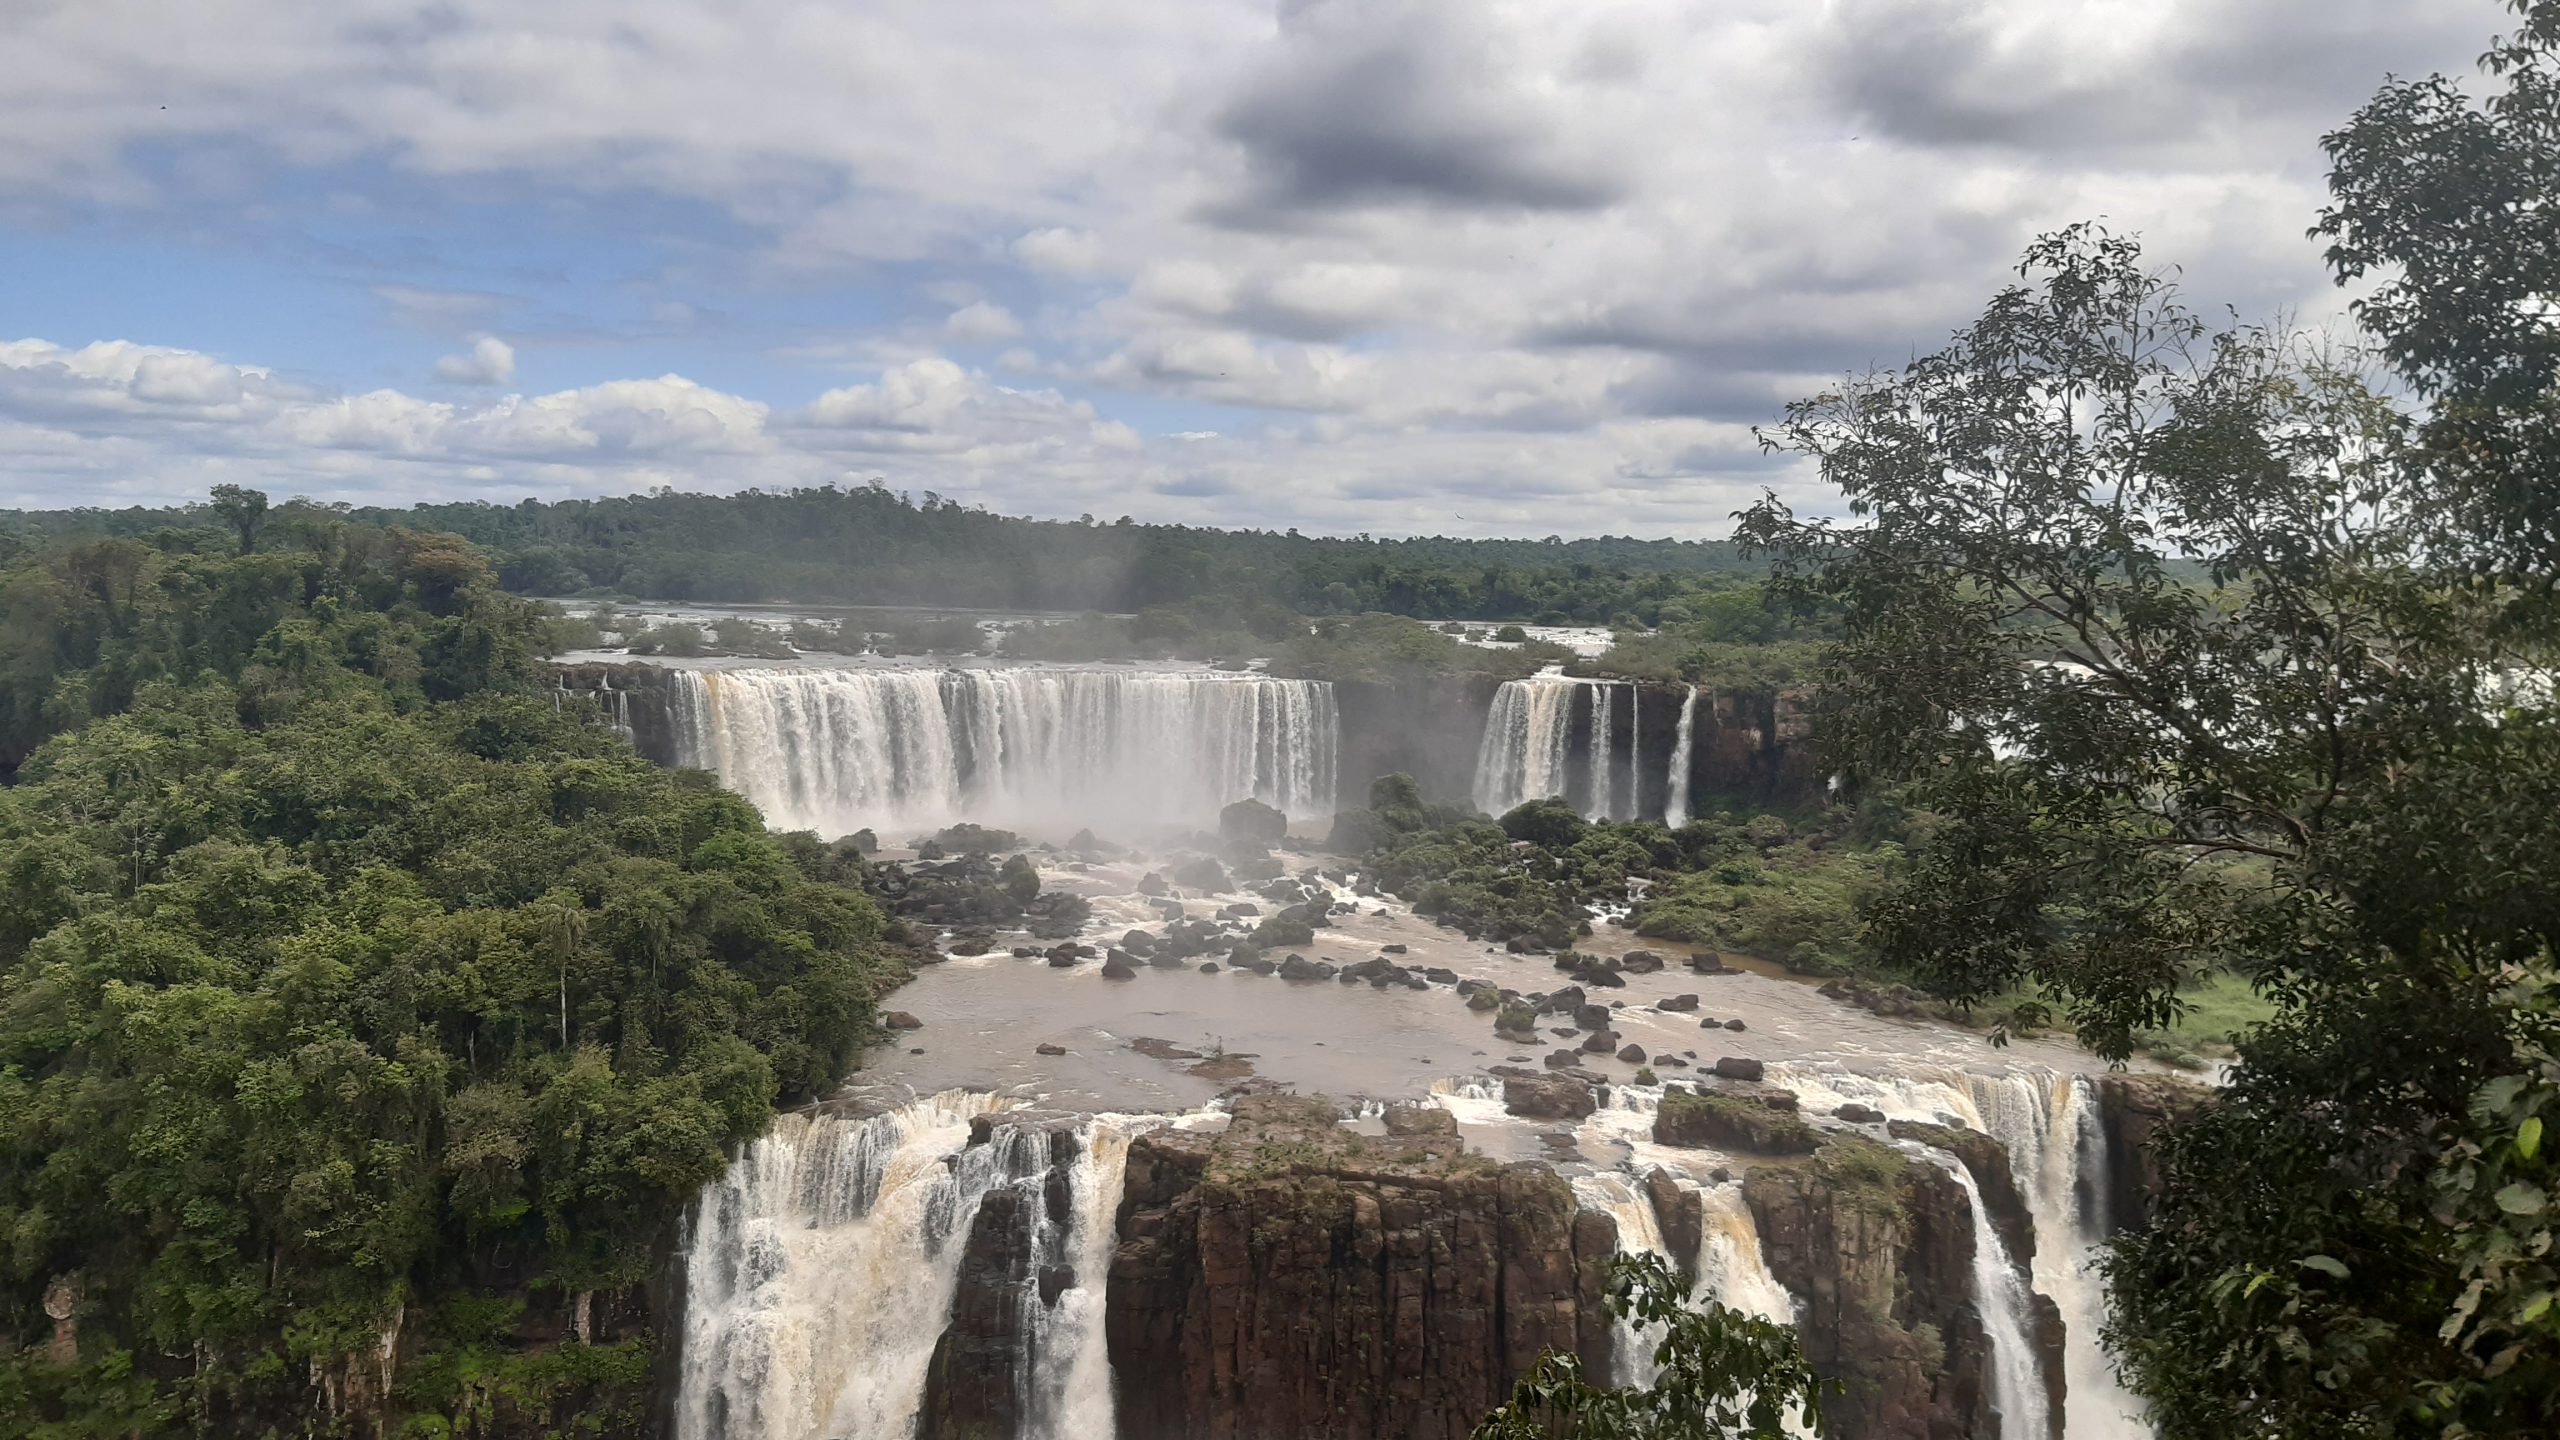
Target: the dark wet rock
(1119, 967)
(1026, 952)
(1674, 1061)
(1484, 1000)
(1988, 1161)
(1710, 1023)
(1640, 962)
(901, 1020)
(1735, 1025)
(1563, 1060)
(1562, 1002)
(1209, 967)
(1710, 965)
(2132, 1111)
(1632, 1054)
(1606, 979)
(1242, 910)
(971, 944)
(1258, 964)
(1600, 1042)
(1064, 958)
(1056, 1280)
(1438, 976)
(1299, 967)
(1680, 1214)
(1137, 942)
(1155, 1049)
(1734, 1067)
(1592, 1017)
(1152, 884)
(1857, 1114)
(1678, 1004)
(1718, 1121)
(1117, 956)
(1200, 873)
(1046, 1048)
(1408, 1122)
(1368, 1287)
(1547, 1097)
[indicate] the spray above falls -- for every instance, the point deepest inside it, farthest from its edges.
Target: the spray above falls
(838, 750)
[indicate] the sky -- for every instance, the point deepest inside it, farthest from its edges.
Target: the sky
(1466, 267)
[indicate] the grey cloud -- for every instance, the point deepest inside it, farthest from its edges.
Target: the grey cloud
(1385, 104)
(2042, 79)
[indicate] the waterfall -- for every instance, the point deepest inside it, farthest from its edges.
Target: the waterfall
(2049, 1124)
(1635, 754)
(2000, 1298)
(1602, 788)
(1676, 810)
(1526, 737)
(1639, 1232)
(820, 1268)
(836, 750)
(1072, 1378)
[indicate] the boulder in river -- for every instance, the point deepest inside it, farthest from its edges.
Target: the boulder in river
(1562, 1060)
(1119, 967)
(901, 1020)
(1391, 949)
(1726, 1122)
(1299, 967)
(1857, 1114)
(1562, 1002)
(1640, 962)
(1710, 965)
(1152, 884)
(1677, 1003)
(1064, 957)
(1045, 1048)
(1632, 1054)
(1733, 1067)
(1547, 1097)
(1600, 1042)
(1735, 1025)
(1592, 1017)
(1209, 967)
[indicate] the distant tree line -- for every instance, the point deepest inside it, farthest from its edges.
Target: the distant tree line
(868, 545)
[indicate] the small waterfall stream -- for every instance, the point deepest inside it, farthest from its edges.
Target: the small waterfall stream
(2001, 1299)
(1676, 810)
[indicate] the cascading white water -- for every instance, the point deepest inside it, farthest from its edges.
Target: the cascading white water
(1639, 1233)
(1602, 786)
(1634, 802)
(1526, 739)
(819, 1271)
(1072, 1378)
(2057, 1154)
(2001, 1299)
(837, 750)
(1676, 810)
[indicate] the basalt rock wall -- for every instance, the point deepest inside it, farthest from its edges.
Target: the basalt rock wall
(1290, 1279)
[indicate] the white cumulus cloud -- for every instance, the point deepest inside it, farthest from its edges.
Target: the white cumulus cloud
(489, 361)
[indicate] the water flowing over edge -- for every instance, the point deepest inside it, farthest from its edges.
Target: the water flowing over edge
(838, 750)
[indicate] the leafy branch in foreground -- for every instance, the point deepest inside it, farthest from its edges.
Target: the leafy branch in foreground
(1722, 1374)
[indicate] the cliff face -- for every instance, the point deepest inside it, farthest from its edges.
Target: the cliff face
(2132, 1111)
(1428, 728)
(1879, 1251)
(632, 695)
(1289, 1278)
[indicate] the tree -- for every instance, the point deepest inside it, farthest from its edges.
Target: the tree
(1721, 1374)
(243, 510)
(2166, 627)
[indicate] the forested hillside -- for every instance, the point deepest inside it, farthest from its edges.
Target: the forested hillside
(357, 1001)
(870, 546)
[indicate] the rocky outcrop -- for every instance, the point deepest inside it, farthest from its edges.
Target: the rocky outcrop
(1879, 1251)
(1014, 1259)
(1712, 1120)
(1988, 1160)
(1292, 1278)
(633, 696)
(2132, 1111)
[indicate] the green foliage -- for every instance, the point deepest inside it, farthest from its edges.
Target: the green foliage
(85, 626)
(2310, 768)
(320, 995)
(1724, 1375)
